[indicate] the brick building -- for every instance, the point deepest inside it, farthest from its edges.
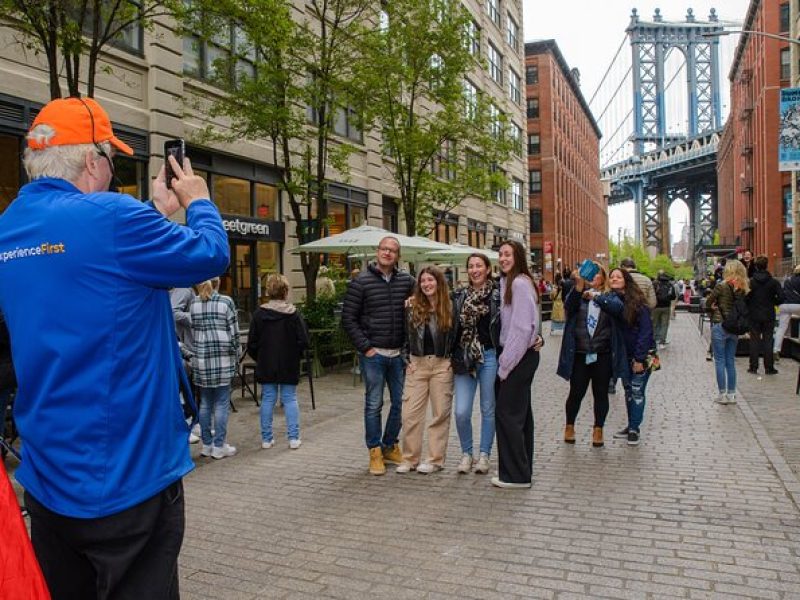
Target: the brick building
(754, 197)
(569, 214)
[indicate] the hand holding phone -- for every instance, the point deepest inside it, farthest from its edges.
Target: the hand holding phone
(177, 149)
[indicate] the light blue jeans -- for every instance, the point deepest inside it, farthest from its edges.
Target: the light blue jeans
(288, 395)
(464, 387)
(216, 400)
(724, 346)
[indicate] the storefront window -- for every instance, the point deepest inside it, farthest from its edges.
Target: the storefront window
(337, 218)
(268, 263)
(358, 216)
(130, 173)
(9, 169)
(231, 195)
(267, 202)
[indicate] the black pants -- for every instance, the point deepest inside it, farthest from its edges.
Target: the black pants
(599, 374)
(129, 555)
(513, 418)
(761, 338)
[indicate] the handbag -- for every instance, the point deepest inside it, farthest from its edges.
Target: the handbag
(652, 362)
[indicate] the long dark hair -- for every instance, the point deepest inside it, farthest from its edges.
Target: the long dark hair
(520, 268)
(634, 298)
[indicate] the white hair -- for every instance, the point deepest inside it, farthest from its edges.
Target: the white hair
(61, 162)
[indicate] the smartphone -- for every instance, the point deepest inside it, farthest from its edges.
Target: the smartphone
(176, 148)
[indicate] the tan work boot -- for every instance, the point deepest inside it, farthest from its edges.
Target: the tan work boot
(393, 455)
(569, 434)
(597, 437)
(376, 466)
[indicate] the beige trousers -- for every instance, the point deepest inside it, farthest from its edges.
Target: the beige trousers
(431, 378)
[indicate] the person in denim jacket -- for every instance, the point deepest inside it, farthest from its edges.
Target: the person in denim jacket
(628, 306)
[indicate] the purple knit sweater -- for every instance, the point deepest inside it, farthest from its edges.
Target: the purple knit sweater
(518, 322)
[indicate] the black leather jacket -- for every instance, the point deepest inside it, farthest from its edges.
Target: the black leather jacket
(460, 365)
(415, 339)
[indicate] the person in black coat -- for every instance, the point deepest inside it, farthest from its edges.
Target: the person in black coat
(789, 308)
(373, 316)
(765, 295)
(277, 340)
(8, 379)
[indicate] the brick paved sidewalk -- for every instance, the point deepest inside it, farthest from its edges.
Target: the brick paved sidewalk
(696, 511)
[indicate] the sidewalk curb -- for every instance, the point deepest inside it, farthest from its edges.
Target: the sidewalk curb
(784, 473)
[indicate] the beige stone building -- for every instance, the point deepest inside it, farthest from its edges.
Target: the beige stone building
(148, 83)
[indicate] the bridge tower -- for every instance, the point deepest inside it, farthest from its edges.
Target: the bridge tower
(650, 43)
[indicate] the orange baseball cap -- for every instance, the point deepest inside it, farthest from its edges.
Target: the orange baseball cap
(77, 121)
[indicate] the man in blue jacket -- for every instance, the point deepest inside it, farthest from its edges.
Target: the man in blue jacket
(85, 275)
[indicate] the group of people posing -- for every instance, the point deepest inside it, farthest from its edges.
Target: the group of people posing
(431, 347)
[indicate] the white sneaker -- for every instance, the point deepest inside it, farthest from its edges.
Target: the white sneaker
(405, 467)
(496, 482)
(722, 398)
(426, 468)
(267, 445)
(193, 439)
(483, 464)
(224, 452)
(465, 464)
(731, 398)
(206, 450)
(294, 444)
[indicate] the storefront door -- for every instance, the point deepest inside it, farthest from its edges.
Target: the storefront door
(238, 282)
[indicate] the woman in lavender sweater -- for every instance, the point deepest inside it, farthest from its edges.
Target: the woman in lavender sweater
(517, 362)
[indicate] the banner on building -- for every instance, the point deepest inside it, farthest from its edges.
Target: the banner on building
(789, 134)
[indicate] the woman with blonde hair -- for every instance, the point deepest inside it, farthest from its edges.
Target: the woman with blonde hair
(735, 285)
(429, 375)
(216, 353)
(592, 352)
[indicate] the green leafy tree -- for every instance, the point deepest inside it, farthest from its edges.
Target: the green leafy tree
(305, 76)
(441, 144)
(67, 31)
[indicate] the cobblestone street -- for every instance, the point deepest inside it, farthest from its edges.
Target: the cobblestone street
(701, 509)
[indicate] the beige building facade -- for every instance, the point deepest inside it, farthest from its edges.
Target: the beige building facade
(150, 85)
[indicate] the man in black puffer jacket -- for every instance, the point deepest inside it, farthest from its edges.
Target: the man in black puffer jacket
(373, 317)
(765, 295)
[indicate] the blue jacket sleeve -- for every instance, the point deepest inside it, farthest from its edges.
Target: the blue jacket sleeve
(572, 301)
(157, 252)
(611, 303)
(644, 339)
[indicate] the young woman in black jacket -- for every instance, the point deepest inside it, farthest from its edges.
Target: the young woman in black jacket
(276, 341)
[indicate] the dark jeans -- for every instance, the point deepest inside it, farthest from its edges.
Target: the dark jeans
(378, 371)
(129, 555)
(761, 340)
(513, 417)
(598, 374)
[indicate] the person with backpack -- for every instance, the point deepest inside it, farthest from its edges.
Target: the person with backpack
(665, 294)
(728, 308)
(765, 295)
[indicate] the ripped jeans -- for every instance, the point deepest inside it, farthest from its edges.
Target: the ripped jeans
(634, 399)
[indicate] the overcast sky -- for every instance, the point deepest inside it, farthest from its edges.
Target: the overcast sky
(589, 33)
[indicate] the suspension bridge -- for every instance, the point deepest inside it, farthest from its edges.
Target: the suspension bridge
(659, 106)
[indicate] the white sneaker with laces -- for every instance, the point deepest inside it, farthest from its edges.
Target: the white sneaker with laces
(426, 468)
(267, 445)
(483, 464)
(731, 398)
(294, 444)
(465, 464)
(497, 482)
(206, 450)
(405, 467)
(223, 452)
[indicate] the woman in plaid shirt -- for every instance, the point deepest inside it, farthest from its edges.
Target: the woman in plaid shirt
(216, 353)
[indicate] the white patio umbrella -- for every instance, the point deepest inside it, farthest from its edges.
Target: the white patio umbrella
(459, 253)
(364, 241)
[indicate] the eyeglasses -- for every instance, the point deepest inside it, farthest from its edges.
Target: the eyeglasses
(114, 184)
(388, 249)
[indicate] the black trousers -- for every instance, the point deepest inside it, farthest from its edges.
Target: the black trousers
(761, 338)
(513, 417)
(129, 555)
(598, 374)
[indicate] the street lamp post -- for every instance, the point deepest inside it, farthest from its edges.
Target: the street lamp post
(794, 53)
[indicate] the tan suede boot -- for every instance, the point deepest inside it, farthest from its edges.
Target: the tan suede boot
(597, 437)
(569, 434)
(376, 466)
(393, 455)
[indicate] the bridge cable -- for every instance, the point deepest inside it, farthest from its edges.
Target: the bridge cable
(616, 131)
(608, 70)
(614, 95)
